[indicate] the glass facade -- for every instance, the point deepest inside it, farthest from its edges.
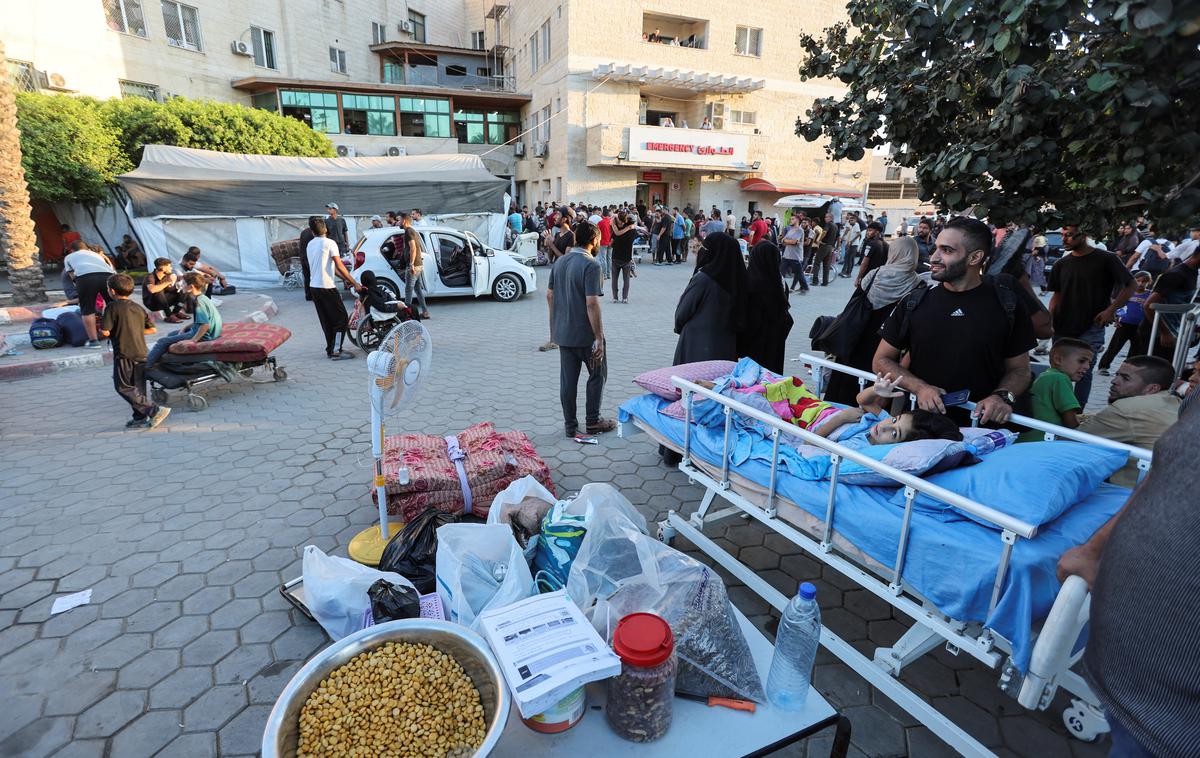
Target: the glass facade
(476, 127)
(317, 109)
(424, 117)
(369, 114)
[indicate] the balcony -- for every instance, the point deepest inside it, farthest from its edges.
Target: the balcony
(674, 31)
(664, 147)
(441, 66)
(677, 78)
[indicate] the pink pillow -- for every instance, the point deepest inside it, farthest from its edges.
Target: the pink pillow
(658, 381)
(675, 410)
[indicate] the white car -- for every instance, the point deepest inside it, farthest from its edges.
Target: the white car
(456, 263)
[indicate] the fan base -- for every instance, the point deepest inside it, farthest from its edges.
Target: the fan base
(367, 546)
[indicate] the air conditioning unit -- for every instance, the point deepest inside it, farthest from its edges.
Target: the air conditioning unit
(397, 151)
(519, 149)
(237, 47)
(346, 151)
(405, 26)
(540, 149)
(56, 81)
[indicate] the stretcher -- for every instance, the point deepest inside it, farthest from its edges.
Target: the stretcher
(242, 348)
(892, 552)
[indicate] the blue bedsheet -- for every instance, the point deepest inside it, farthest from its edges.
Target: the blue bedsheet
(953, 564)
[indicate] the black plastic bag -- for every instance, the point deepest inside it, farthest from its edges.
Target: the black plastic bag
(412, 551)
(392, 602)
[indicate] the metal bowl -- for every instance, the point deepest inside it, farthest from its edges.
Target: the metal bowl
(281, 737)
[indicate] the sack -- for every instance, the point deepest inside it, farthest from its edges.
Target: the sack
(411, 551)
(45, 333)
(73, 331)
(839, 336)
(336, 591)
(522, 505)
(393, 602)
(479, 566)
(619, 571)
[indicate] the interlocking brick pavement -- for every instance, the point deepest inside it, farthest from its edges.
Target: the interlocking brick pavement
(185, 532)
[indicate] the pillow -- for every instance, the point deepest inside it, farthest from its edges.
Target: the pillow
(917, 457)
(1034, 481)
(675, 410)
(658, 381)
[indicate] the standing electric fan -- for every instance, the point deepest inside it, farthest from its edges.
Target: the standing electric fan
(396, 371)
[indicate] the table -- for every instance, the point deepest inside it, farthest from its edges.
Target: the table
(696, 729)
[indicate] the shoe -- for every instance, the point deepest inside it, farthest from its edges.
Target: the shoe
(424, 315)
(135, 423)
(614, 300)
(94, 345)
(843, 276)
(159, 417)
(172, 319)
(570, 433)
(626, 302)
(804, 292)
(547, 347)
(601, 426)
(1104, 372)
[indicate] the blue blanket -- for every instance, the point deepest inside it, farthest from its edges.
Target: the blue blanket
(952, 564)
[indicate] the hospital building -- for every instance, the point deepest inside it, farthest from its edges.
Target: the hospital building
(594, 100)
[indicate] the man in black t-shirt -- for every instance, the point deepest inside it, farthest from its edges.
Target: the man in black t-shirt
(875, 251)
(1176, 287)
(965, 334)
(1083, 282)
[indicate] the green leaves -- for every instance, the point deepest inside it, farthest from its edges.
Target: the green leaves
(1101, 81)
(1133, 173)
(1000, 41)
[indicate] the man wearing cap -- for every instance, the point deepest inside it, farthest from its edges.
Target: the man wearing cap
(339, 233)
(376, 222)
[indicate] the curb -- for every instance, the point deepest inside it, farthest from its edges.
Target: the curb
(28, 369)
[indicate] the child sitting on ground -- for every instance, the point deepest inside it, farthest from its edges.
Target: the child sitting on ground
(1053, 393)
(125, 324)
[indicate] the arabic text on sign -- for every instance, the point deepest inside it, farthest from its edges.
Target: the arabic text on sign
(678, 147)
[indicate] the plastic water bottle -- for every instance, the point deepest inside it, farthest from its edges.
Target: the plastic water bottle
(795, 650)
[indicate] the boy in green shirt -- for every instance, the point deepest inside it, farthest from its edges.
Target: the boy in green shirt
(1053, 393)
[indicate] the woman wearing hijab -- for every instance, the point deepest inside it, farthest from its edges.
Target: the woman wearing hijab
(883, 287)
(711, 310)
(767, 319)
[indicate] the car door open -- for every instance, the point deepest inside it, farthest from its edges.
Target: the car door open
(481, 276)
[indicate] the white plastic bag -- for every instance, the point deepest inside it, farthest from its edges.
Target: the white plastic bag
(600, 500)
(336, 591)
(508, 505)
(479, 566)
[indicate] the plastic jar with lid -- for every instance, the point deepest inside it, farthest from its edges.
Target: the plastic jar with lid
(642, 697)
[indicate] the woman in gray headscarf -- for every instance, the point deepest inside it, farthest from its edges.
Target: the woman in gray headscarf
(883, 287)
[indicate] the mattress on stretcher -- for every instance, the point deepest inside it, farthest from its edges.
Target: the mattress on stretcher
(240, 342)
(952, 564)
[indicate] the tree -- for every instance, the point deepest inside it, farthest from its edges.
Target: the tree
(69, 151)
(18, 244)
(1036, 112)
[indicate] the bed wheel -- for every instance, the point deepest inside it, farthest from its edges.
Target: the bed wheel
(1084, 722)
(666, 533)
(158, 395)
(196, 403)
(279, 374)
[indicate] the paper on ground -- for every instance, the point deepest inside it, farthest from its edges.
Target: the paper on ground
(546, 649)
(67, 602)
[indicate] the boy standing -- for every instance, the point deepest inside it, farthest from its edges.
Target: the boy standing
(125, 324)
(207, 323)
(1129, 318)
(1053, 392)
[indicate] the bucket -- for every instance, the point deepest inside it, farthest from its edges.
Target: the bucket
(561, 716)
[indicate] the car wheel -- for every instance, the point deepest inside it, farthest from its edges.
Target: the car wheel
(507, 288)
(391, 287)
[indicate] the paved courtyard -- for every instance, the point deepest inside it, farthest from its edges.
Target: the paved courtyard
(184, 534)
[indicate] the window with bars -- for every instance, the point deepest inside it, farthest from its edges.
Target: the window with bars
(743, 117)
(477, 40)
(317, 109)
(378, 33)
(424, 117)
(125, 16)
(263, 42)
(748, 41)
(23, 76)
(418, 24)
(140, 89)
(182, 23)
(369, 114)
(337, 60)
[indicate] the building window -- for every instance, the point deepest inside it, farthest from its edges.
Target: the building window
(263, 42)
(534, 58)
(125, 16)
(139, 89)
(748, 41)
(378, 33)
(456, 70)
(337, 60)
(317, 109)
(546, 124)
(428, 117)
(892, 174)
(369, 114)
(418, 25)
(743, 117)
(393, 73)
(267, 101)
(475, 127)
(182, 23)
(477, 41)
(483, 72)
(546, 41)
(23, 76)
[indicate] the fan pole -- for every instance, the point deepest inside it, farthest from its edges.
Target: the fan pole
(380, 484)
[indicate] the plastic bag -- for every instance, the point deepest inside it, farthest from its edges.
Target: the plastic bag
(619, 571)
(522, 505)
(479, 566)
(411, 551)
(392, 602)
(336, 591)
(565, 527)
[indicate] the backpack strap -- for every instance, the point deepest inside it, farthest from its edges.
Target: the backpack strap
(1008, 299)
(911, 301)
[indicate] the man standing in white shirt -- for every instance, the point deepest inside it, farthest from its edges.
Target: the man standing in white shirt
(325, 263)
(1184, 249)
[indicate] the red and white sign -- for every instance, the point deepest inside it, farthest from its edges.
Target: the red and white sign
(687, 147)
(652, 176)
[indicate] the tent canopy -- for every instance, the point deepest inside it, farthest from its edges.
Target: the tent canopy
(180, 181)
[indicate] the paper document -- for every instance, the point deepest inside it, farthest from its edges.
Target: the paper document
(67, 602)
(546, 649)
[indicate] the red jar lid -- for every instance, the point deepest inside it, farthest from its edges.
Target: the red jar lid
(643, 639)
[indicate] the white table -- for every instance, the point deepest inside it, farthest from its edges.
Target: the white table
(696, 729)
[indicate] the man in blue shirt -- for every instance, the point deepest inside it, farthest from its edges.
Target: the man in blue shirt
(678, 236)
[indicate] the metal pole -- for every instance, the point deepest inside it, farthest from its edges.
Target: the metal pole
(774, 471)
(826, 540)
(909, 495)
(725, 448)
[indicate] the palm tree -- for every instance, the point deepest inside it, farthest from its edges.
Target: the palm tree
(18, 243)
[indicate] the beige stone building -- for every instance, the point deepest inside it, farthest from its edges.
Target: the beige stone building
(595, 100)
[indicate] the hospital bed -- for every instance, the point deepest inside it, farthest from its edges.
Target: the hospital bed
(983, 587)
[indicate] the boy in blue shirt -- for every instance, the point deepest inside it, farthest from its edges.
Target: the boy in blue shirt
(206, 321)
(1129, 318)
(1053, 392)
